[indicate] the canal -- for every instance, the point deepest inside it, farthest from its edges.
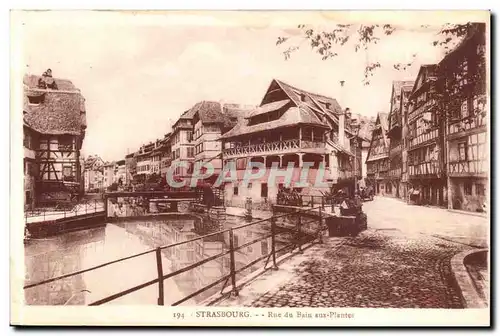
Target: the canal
(73, 251)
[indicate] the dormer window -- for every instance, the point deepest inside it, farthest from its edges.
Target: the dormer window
(303, 97)
(328, 105)
(36, 100)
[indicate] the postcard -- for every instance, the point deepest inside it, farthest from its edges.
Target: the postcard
(250, 168)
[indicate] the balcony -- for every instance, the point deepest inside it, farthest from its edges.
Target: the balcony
(424, 137)
(425, 169)
(424, 107)
(458, 128)
(277, 147)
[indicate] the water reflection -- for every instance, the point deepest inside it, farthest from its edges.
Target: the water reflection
(74, 251)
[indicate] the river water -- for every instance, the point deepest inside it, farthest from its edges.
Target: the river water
(70, 252)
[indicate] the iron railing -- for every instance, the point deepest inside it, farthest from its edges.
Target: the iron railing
(301, 237)
(63, 211)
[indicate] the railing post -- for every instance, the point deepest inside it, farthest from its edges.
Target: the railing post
(320, 223)
(273, 241)
(159, 267)
(95, 205)
(299, 234)
(322, 202)
(232, 262)
(312, 201)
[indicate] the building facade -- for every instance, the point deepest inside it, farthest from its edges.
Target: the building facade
(93, 174)
(426, 155)
(30, 166)
(377, 162)
(399, 95)
(55, 122)
(290, 127)
(182, 145)
(109, 169)
(166, 155)
(463, 77)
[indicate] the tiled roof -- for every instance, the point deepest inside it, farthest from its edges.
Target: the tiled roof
(208, 112)
(398, 85)
(314, 111)
(270, 107)
(60, 111)
(291, 117)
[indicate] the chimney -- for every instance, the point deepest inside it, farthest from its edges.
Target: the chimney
(341, 117)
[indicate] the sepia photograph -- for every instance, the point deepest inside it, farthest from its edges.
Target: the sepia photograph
(284, 168)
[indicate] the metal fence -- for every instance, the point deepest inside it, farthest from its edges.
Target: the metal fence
(302, 234)
(71, 210)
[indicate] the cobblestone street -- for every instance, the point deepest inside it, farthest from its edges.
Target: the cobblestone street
(400, 262)
(375, 269)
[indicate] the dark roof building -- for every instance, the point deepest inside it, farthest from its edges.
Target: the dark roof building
(54, 111)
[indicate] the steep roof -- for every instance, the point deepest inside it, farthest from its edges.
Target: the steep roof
(319, 102)
(188, 114)
(398, 85)
(291, 117)
(91, 160)
(315, 111)
(234, 114)
(60, 111)
(269, 107)
(424, 72)
(208, 112)
(382, 122)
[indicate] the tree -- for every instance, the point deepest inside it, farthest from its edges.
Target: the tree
(329, 44)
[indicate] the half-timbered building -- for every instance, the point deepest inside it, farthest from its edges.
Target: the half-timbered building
(377, 162)
(394, 132)
(55, 120)
(291, 127)
(464, 79)
(426, 157)
(210, 121)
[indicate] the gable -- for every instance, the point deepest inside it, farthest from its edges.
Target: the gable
(420, 80)
(375, 142)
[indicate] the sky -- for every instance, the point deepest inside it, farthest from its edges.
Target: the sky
(139, 72)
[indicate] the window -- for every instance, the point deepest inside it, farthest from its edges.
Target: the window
(236, 244)
(464, 109)
(468, 188)
(480, 190)
(189, 136)
(462, 151)
(235, 191)
(67, 171)
(190, 152)
(65, 143)
(263, 190)
(249, 185)
(36, 100)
